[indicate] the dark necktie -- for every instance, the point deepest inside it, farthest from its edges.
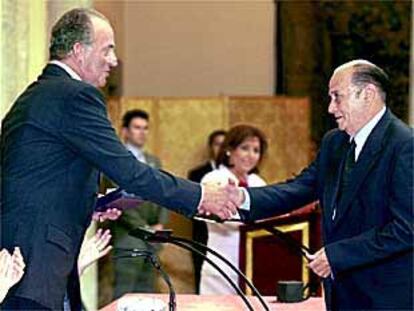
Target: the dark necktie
(345, 182)
(350, 157)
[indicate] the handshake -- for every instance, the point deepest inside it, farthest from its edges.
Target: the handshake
(221, 200)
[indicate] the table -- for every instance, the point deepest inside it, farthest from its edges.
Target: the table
(227, 303)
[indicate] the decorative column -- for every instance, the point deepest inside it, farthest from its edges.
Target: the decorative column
(23, 42)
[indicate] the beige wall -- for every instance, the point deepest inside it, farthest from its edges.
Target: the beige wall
(194, 48)
(23, 42)
(114, 11)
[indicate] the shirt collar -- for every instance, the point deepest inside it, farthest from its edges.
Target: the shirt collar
(65, 67)
(213, 164)
(362, 135)
(136, 151)
(224, 168)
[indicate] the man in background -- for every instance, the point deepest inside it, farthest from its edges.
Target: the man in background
(200, 232)
(136, 275)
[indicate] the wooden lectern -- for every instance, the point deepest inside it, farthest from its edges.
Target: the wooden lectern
(266, 259)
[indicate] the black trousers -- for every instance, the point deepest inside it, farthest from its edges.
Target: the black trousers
(200, 234)
(20, 303)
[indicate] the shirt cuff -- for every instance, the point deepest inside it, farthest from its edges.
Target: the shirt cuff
(246, 204)
(201, 198)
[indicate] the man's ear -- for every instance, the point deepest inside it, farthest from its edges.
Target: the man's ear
(370, 92)
(78, 51)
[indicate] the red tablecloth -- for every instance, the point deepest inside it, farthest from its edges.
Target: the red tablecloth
(227, 303)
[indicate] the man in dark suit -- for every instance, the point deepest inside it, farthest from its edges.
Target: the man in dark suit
(136, 275)
(363, 179)
(215, 140)
(200, 233)
(55, 139)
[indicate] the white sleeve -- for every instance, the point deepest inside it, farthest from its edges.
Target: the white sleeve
(217, 176)
(246, 204)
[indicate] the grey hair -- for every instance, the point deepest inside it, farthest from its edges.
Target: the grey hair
(74, 26)
(365, 72)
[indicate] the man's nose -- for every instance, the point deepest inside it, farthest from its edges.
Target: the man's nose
(113, 61)
(332, 106)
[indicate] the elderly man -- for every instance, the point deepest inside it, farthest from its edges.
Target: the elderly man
(363, 179)
(55, 139)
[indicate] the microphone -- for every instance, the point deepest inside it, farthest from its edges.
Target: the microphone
(165, 236)
(150, 255)
(149, 234)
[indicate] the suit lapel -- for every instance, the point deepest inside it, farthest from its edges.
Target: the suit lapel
(367, 159)
(334, 176)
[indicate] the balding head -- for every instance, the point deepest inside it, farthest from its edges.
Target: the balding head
(364, 73)
(358, 92)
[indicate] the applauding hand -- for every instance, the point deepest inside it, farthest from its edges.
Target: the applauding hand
(11, 270)
(93, 249)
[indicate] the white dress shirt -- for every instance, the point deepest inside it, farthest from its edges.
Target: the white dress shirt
(137, 152)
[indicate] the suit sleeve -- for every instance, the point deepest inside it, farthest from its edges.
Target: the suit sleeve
(163, 214)
(395, 237)
(88, 132)
(278, 199)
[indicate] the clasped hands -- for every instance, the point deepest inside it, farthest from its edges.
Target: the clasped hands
(221, 200)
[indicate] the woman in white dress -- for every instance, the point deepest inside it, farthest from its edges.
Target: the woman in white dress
(238, 160)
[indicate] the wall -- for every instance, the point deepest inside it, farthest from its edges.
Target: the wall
(23, 42)
(194, 48)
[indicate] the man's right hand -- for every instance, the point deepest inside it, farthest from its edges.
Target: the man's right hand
(222, 201)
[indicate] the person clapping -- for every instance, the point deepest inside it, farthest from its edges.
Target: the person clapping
(94, 248)
(11, 270)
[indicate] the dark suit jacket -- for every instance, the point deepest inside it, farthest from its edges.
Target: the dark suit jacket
(370, 243)
(54, 140)
(198, 173)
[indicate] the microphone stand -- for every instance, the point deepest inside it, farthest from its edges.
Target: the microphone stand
(153, 259)
(231, 265)
(228, 279)
(165, 236)
(290, 242)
